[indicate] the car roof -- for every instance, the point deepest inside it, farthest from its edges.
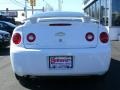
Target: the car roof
(57, 14)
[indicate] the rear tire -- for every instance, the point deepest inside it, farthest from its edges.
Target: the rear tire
(24, 81)
(101, 78)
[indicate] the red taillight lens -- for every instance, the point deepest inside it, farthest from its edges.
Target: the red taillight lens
(89, 36)
(31, 37)
(16, 38)
(104, 37)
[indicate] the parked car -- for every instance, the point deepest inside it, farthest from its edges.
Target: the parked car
(7, 26)
(59, 44)
(4, 39)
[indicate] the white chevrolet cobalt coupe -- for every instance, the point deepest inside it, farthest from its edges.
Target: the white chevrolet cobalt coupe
(60, 44)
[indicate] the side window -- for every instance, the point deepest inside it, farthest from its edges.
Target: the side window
(1, 26)
(5, 25)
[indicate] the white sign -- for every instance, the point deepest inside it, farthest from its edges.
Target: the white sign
(9, 13)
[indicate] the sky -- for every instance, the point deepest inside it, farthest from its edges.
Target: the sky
(68, 5)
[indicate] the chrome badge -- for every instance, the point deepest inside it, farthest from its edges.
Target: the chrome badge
(60, 34)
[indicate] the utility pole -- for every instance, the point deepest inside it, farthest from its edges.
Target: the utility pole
(25, 8)
(47, 6)
(60, 5)
(32, 3)
(32, 9)
(43, 9)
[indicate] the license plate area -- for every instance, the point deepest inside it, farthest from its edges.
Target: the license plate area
(60, 62)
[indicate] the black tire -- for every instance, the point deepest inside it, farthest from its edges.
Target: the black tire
(101, 78)
(24, 81)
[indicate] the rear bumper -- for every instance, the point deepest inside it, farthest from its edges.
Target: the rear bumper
(94, 61)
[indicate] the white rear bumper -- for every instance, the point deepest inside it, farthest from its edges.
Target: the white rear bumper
(94, 61)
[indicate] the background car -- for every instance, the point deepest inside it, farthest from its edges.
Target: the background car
(4, 39)
(59, 44)
(7, 26)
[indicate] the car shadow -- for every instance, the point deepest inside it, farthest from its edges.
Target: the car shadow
(110, 82)
(4, 51)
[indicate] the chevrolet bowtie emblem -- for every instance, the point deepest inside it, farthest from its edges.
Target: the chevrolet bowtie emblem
(60, 34)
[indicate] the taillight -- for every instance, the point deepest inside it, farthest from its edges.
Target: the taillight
(89, 36)
(16, 38)
(104, 37)
(31, 37)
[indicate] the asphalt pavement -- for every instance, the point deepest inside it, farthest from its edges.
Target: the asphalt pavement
(110, 82)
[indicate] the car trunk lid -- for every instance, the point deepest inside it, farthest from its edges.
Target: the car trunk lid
(60, 34)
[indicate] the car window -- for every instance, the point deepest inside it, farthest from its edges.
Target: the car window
(5, 25)
(10, 24)
(1, 25)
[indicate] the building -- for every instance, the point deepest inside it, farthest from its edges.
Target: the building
(107, 12)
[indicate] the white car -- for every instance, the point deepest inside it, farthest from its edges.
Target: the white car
(60, 44)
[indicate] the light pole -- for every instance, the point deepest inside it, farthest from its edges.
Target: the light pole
(32, 9)
(25, 8)
(32, 3)
(60, 5)
(43, 9)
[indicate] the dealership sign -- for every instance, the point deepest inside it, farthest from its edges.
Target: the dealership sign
(9, 13)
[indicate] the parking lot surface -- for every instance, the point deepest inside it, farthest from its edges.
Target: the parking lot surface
(110, 82)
